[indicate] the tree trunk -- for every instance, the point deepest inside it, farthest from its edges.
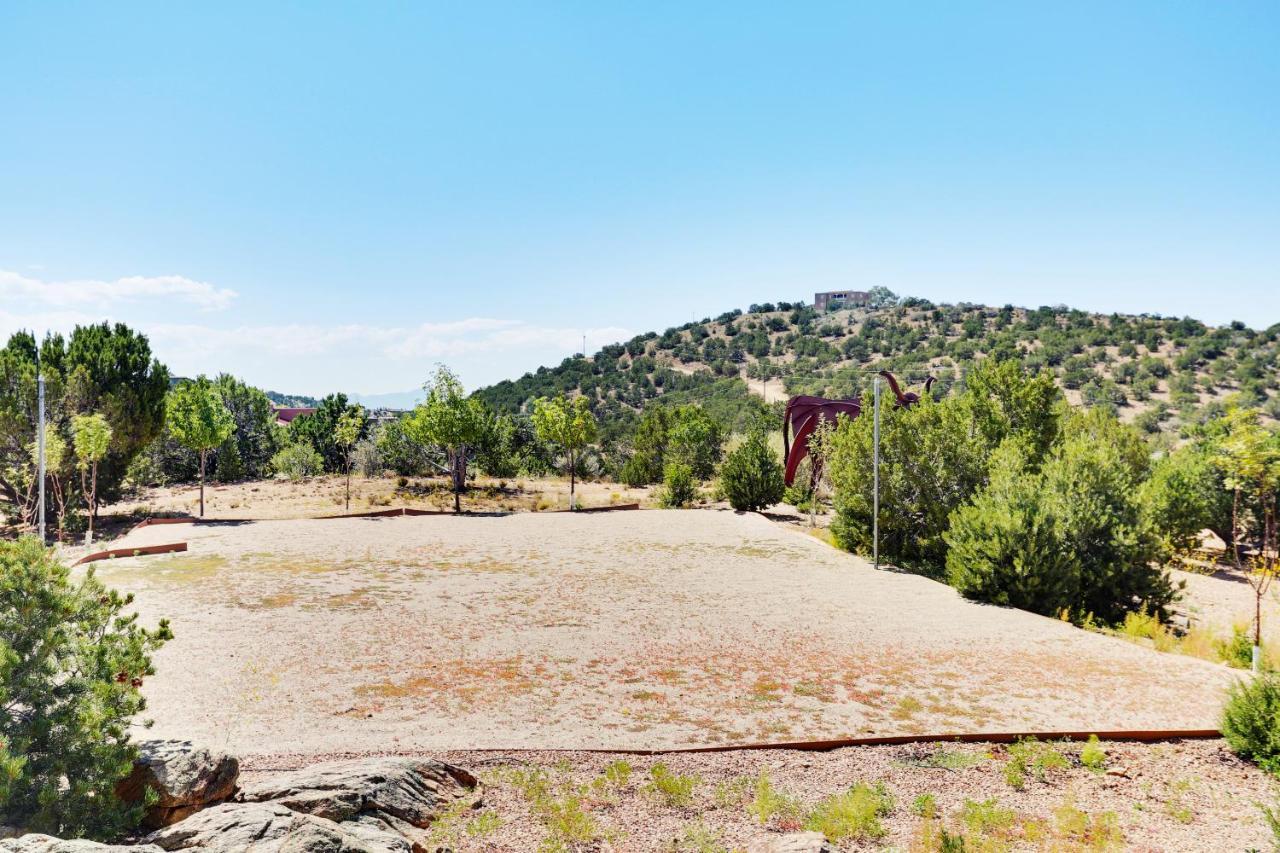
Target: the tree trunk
(458, 472)
(573, 476)
(348, 486)
(202, 454)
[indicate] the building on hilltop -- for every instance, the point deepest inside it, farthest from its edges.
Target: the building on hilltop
(840, 299)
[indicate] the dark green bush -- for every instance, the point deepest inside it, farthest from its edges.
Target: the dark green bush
(751, 476)
(1251, 721)
(71, 665)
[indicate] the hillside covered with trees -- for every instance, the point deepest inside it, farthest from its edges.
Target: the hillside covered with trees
(1161, 373)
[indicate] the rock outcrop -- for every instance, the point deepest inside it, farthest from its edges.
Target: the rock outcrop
(186, 778)
(393, 790)
(36, 843)
(273, 828)
(374, 805)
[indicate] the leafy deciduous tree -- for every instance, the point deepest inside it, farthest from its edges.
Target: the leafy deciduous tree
(199, 420)
(346, 433)
(569, 425)
(452, 421)
(91, 435)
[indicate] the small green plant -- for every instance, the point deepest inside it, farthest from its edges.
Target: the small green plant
(987, 817)
(672, 788)
(1236, 650)
(1093, 755)
(678, 486)
(568, 824)
(769, 803)
(618, 773)
(483, 824)
(1092, 831)
(855, 813)
(700, 838)
(732, 792)
(925, 806)
(1176, 807)
(1251, 721)
(1271, 814)
(1030, 755)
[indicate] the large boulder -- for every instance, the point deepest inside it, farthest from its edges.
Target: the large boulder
(272, 828)
(36, 843)
(392, 791)
(186, 778)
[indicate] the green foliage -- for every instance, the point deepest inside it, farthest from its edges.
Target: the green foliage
(854, 814)
(1007, 402)
(1183, 496)
(255, 438)
(767, 803)
(674, 789)
(453, 422)
(102, 368)
(1251, 721)
(931, 460)
(695, 439)
(296, 461)
(319, 429)
(751, 476)
(71, 665)
(679, 489)
(568, 425)
(925, 806)
(1093, 755)
(1068, 537)
(92, 439)
(399, 452)
(197, 417)
(1030, 756)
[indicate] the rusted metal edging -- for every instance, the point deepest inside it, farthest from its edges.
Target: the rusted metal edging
(143, 550)
(1133, 736)
(618, 508)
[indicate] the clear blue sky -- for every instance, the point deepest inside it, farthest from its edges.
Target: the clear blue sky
(334, 197)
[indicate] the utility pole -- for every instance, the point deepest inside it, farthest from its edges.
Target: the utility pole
(40, 445)
(875, 476)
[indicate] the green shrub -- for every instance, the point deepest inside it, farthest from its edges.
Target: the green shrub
(769, 803)
(297, 461)
(71, 665)
(1184, 495)
(925, 806)
(751, 476)
(678, 486)
(672, 788)
(1093, 755)
(1069, 536)
(1237, 650)
(1031, 756)
(1251, 721)
(854, 814)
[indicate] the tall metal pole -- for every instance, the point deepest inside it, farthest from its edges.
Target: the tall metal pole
(875, 468)
(40, 447)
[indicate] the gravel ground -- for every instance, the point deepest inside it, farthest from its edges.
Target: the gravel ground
(1180, 796)
(648, 629)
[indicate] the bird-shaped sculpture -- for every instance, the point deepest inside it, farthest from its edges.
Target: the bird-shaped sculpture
(803, 414)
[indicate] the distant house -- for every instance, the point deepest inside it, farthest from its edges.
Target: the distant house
(840, 299)
(285, 416)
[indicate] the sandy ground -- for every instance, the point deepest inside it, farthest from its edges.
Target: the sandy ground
(327, 496)
(1182, 796)
(640, 629)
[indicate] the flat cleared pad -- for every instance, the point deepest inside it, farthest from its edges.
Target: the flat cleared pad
(647, 629)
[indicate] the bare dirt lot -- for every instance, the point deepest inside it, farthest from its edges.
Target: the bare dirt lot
(635, 629)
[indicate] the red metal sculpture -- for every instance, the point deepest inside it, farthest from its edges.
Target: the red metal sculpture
(803, 414)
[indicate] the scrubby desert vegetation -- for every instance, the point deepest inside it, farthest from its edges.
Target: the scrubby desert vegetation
(1117, 474)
